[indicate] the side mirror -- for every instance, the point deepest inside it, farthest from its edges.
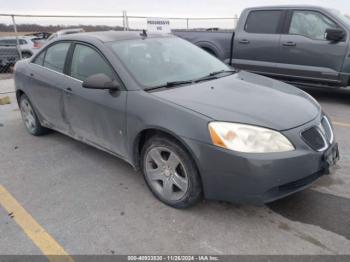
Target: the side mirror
(101, 81)
(335, 34)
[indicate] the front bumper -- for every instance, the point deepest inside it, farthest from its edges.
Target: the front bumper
(258, 178)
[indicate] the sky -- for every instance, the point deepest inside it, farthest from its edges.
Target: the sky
(159, 8)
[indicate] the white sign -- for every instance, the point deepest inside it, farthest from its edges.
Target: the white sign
(158, 25)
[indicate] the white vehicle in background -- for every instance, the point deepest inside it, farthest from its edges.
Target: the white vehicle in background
(66, 32)
(28, 45)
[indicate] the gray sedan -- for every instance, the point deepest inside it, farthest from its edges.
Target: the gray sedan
(194, 126)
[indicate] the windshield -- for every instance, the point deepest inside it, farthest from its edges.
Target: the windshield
(156, 61)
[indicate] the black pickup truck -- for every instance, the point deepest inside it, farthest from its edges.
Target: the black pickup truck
(302, 45)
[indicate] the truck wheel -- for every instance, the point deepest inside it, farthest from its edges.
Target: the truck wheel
(170, 172)
(30, 118)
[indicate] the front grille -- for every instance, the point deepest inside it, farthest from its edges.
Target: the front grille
(319, 137)
(313, 138)
(327, 129)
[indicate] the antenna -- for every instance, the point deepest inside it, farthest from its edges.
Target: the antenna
(144, 33)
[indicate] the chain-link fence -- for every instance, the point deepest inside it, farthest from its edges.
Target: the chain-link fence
(21, 36)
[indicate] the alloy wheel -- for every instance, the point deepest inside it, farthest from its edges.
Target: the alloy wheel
(28, 115)
(166, 174)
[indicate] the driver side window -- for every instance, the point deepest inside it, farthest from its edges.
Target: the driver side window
(86, 62)
(310, 24)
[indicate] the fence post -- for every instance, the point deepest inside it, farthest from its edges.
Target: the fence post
(124, 26)
(187, 19)
(235, 21)
(16, 33)
(125, 21)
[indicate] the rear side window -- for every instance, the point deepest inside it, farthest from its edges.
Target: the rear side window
(56, 56)
(263, 22)
(86, 62)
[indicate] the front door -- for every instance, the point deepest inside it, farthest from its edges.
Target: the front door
(305, 52)
(95, 116)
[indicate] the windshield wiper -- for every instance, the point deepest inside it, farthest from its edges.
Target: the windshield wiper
(170, 84)
(213, 75)
(222, 71)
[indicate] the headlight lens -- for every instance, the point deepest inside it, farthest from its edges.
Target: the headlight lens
(247, 138)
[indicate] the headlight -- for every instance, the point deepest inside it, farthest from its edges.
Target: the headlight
(247, 138)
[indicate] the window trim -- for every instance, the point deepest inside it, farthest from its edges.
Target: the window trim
(69, 59)
(289, 22)
(280, 25)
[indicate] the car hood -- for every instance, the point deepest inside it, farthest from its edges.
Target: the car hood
(246, 98)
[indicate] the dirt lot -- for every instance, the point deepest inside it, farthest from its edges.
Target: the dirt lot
(13, 33)
(92, 203)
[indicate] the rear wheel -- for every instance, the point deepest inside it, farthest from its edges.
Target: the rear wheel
(170, 172)
(30, 118)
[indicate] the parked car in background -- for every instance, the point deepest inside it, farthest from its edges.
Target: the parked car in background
(192, 124)
(65, 32)
(302, 45)
(40, 35)
(28, 45)
(8, 57)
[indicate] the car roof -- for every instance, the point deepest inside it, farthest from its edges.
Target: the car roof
(111, 36)
(312, 7)
(70, 30)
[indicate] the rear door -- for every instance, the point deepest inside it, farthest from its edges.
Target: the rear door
(47, 80)
(96, 116)
(257, 41)
(305, 52)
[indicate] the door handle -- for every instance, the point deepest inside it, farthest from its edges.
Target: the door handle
(290, 43)
(68, 91)
(244, 41)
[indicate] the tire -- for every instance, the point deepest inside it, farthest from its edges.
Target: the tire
(170, 172)
(29, 117)
(26, 55)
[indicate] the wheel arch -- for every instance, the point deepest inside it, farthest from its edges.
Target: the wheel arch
(19, 93)
(147, 133)
(209, 47)
(27, 52)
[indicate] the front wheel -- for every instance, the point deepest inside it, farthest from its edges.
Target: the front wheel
(170, 173)
(30, 118)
